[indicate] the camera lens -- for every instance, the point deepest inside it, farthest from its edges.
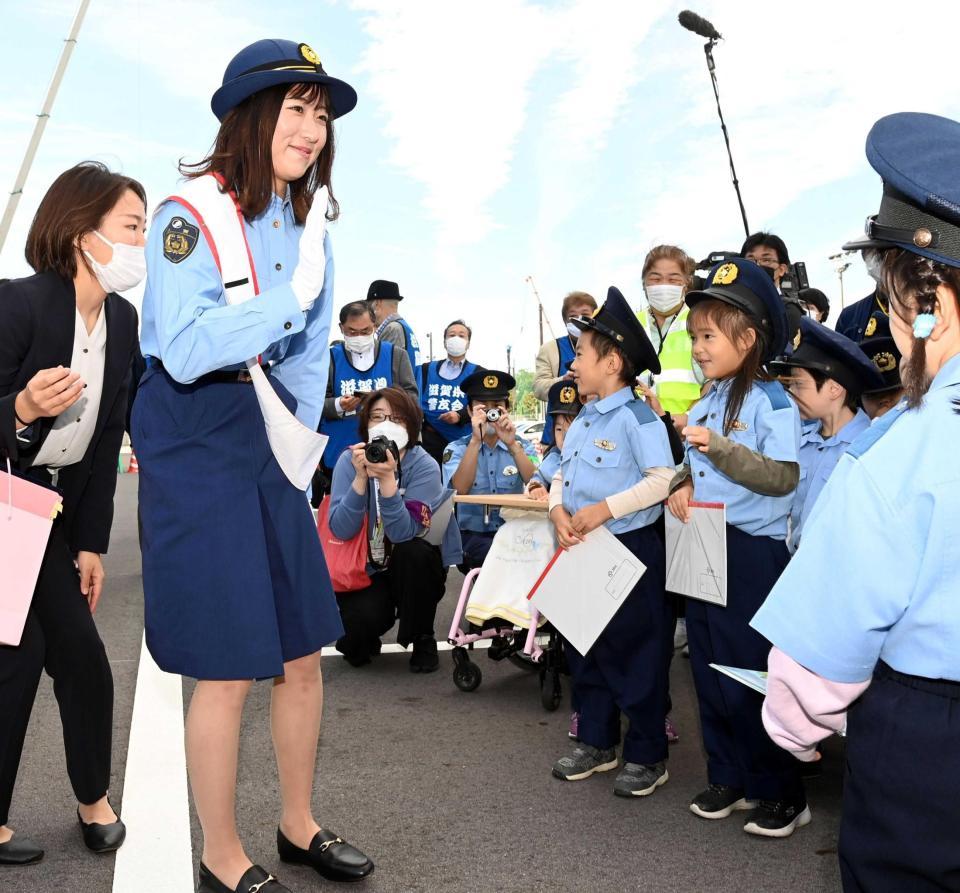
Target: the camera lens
(493, 415)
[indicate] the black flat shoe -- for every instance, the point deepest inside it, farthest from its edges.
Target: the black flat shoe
(102, 839)
(330, 856)
(424, 658)
(20, 851)
(254, 880)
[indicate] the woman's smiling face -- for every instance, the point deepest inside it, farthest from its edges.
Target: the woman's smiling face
(298, 138)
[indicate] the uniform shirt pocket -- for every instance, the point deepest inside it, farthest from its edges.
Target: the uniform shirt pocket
(594, 456)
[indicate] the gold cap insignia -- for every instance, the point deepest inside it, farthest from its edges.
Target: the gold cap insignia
(308, 54)
(796, 340)
(871, 327)
(491, 381)
(567, 395)
(726, 275)
(739, 426)
(596, 313)
(885, 362)
(922, 238)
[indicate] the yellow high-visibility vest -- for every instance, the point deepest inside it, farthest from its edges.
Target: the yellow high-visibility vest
(676, 386)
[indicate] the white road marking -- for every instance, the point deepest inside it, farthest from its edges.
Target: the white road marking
(157, 854)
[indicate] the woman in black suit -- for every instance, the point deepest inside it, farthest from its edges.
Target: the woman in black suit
(66, 343)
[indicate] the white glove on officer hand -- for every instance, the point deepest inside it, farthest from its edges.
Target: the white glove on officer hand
(307, 278)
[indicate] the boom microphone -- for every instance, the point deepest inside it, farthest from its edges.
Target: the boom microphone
(692, 22)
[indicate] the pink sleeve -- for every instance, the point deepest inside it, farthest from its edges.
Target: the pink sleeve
(802, 708)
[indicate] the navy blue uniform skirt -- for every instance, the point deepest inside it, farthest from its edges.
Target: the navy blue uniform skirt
(740, 753)
(234, 578)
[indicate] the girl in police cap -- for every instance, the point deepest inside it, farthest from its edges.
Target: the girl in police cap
(234, 579)
(743, 441)
(884, 534)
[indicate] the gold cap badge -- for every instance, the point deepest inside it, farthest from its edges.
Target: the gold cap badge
(871, 327)
(885, 362)
(796, 340)
(491, 381)
(567, 395)
(308, 54)
(726, 275)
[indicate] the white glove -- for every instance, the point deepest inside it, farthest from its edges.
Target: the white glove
(307, 280)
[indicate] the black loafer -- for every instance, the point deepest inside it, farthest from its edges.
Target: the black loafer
(329, 855)
(102, 838)
(20, 851)
(254, 880)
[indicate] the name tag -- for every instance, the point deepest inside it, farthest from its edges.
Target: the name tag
(510, 470)
(608, 445)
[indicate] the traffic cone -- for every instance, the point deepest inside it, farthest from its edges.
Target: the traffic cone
(133, 467)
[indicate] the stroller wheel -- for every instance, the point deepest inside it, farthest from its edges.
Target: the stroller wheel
(551, 692)
(467, 675)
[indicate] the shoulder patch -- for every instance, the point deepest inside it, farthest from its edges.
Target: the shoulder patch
(641, 411)
(775, 394)
(179, 239)
(447, 455)
(867, 438)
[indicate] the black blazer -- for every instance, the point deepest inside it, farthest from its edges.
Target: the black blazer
(37, 321)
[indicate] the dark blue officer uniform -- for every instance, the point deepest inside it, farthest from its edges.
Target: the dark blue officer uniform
(883, 352)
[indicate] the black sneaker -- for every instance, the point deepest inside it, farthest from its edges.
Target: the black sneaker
(718, 801)
(424, 658)
(778, 818)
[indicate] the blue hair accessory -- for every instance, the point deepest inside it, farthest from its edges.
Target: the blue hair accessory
(923, 325)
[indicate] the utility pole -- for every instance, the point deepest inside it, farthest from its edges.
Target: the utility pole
(540, 310)
(42, 119)
(509, 370)
(841, 265)
(430, 338)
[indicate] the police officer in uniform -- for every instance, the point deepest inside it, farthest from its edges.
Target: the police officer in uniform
(884, 534)
(490, 460)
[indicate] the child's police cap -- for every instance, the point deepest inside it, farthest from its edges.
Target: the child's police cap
(267, 63)
(882, 351)
(746, 286)
(918, 157)
(563, 398)
(823, 350)
(618, 322)
(488, 384)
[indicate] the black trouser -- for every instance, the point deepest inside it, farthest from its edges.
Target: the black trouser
(60, 635)
(433, 442)
(409, 589)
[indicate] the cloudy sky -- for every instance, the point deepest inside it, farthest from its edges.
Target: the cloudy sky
(497, 141)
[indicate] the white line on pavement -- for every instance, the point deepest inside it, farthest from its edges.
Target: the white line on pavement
(157, 854)
(330, 651)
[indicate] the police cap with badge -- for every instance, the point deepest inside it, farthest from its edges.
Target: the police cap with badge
(748, 287)
(488, 384)
(883, 352)
(268, 63)
(563, 398)
(916, 155)
(618, 322)
(819, 349)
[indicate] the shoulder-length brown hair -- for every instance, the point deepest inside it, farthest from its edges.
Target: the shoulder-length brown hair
(242, 153)
(402, 405)
(75, 204)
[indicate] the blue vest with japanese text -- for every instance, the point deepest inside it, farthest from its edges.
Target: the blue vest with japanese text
(439, 395)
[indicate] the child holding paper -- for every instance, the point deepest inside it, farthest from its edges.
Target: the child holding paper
(617, 445)
(743, 441)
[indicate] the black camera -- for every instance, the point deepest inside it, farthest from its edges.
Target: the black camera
(379, 448)
(493, 415)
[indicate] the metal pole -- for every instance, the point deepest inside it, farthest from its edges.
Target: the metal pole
(42, 119)
(430, 336)
(541, 311)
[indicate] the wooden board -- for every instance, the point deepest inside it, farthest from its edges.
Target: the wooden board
(508, 500)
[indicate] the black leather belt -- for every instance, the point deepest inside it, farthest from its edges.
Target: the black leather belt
(221, 376)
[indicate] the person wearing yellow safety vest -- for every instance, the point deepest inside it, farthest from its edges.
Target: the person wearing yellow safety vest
(667, 274)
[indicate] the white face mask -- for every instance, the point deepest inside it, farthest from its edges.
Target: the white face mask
(126, 269)
(456, 346)
(358, 343)
(664, 298)
(573, 331)
(871, 260)
(390, 430)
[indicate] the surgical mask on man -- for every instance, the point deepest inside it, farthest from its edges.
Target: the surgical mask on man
(125, 269)
(358, 343)
(573, 331)
(871, 260)
(456, 346)
(664, 298)
(390, 430)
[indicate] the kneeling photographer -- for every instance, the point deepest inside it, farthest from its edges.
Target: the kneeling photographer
(391, 481)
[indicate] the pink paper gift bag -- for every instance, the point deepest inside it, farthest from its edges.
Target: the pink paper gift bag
(27, 511)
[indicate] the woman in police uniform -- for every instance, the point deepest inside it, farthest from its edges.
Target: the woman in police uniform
(884, 533)
(234, 578)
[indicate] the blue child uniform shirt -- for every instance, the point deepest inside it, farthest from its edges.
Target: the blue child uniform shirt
(877, 575)
(548, 467)
(818, 459)
(768, 423)
(188, 325)
(606, 450)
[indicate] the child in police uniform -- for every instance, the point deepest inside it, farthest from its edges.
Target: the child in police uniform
(825, 375)
(615, 468)
(563, 405)
(882, 351)
(743, 441)
(885, 534)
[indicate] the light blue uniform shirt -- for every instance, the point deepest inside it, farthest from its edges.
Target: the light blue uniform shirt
(606, 451)
(549, 465)
(877, 576)
(818, 459)
(768, 423)
(188, 325)
(496, 473)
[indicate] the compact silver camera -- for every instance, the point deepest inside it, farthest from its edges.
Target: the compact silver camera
(493, 415)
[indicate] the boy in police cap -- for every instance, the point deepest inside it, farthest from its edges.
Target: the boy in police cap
(563, 405)
(615, 470)
(883, 352)
(825, 375)
(491, 459)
